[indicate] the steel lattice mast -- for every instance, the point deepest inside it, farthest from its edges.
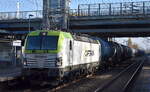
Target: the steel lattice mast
(55, 14)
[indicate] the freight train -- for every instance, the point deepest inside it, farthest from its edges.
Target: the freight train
(57, 55)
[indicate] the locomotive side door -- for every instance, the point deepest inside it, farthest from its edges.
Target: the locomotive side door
(71, 52)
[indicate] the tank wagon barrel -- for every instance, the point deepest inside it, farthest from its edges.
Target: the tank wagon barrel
(115, 53)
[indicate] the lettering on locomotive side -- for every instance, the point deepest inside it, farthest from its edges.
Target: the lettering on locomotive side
(89, 53)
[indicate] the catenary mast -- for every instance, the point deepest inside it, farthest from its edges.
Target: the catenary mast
(55, 14)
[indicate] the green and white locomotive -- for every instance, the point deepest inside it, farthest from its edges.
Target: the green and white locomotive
(57, 54)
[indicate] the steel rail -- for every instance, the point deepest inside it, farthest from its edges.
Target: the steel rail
(133, 76)
(110, 83)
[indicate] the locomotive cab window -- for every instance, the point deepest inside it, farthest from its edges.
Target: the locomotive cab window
(42, 43)
(33, 42)
(49, 43)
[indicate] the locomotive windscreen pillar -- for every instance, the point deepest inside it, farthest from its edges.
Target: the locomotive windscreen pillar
(55, 14)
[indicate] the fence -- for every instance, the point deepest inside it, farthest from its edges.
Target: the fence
(112, 9)
(101, 9)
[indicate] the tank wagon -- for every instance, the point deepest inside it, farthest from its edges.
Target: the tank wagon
(113, 53)
(58, 55)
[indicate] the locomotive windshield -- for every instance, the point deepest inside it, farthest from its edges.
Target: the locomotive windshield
(33, 42)
(49, 43)
(42, 42)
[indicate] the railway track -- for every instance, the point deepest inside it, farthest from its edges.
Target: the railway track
(122, 82)
(118, 80)
(114, 80)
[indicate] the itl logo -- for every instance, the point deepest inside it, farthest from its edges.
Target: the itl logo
(89, 53)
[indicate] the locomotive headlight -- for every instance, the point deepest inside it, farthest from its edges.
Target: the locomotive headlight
(25, 61)
(59, 61)
(60, 55)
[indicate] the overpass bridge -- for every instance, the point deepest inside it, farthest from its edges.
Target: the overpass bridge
(105, 19)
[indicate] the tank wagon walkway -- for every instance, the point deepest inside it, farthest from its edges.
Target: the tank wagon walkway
(142, 83)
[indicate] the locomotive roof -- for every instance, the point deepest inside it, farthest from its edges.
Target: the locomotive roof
(50, 32)
(65, 34)
(84, 39)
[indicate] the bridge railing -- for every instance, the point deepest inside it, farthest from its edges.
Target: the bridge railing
(20, 15)
(112, 9)
(102, 9)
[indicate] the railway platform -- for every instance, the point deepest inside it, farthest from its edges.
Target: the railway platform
(142, 83)
(9, 73)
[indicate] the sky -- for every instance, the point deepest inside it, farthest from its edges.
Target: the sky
(143, 43)
(32, 5)
(25, 5)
